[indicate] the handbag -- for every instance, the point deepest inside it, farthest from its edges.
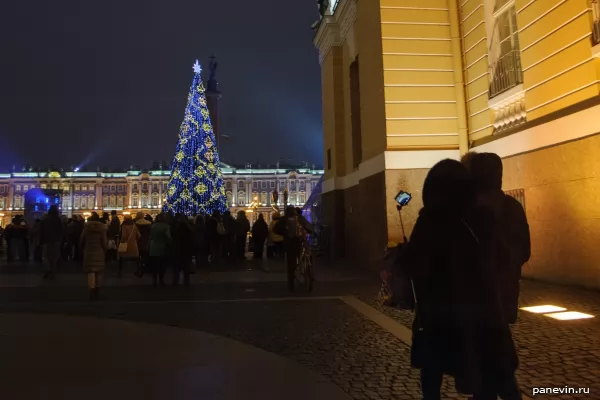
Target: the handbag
(123, 247)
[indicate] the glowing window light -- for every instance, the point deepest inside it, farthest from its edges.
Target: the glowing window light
(569, 316)
(543, 309)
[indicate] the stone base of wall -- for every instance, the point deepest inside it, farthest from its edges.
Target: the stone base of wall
(561, 186)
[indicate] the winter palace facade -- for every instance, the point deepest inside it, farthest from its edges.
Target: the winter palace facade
(247, 189)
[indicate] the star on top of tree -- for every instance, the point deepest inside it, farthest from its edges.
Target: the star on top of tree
(197, 67)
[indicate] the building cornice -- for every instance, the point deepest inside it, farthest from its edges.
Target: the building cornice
(334, 28)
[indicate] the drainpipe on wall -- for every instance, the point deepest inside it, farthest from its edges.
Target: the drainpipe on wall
(459, 81)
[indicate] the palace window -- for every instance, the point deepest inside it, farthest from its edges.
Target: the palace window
(77, 187)
(25, 188)
(263, 198)
(2, 203)
(302, 185)
(84, 204)
(18, 202)
(113, 188)
(18, 188)
(83, 188)
(504, 51)
(43, 186)
(229, 197)
(119, 188)
(135, 187)
(2, 189)
(105, 201)
(135, 200)
(155, 200)
(241, 199)
(292, 199)
(66, 203)
(240, 184)
(255, 185)
(120, 201)
(155, 187)
(281, 185)
(302, 198)
(144, 187)
(292, 185)
(91, 201)
(272, 184)
(263, 185)
(113, 201)
(77, 202)
(144, 200)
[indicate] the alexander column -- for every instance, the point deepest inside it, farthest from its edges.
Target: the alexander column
(213, 94)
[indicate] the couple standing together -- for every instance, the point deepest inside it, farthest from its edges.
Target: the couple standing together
(464, 257)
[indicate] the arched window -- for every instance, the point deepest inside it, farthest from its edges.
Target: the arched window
(91, 201)
(155, 200)
(113, 188)
(144, 200)
(18, 201)
(66, 202)
(2, 203)
(120, 201)
(113, 201)
(105, 201)
(229, 196)
(77, 204)
(135, 200)
(293, 198)
(263, 198)
(302, 198)
(144, 187)
(241, 199)
(83, 204)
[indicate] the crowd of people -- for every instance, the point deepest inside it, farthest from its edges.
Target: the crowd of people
(147, 245)
(464, 258)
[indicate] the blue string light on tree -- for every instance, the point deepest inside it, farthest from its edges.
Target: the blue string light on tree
(196, 184)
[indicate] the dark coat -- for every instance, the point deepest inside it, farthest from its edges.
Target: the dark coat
(242, 226)
(260, 231)
(160, 239)
(143, 227)
(114, 228)
(183, 240)
(512, 247)
(52, 230)
(459, 323)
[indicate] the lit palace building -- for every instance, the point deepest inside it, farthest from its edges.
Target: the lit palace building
(81, 193)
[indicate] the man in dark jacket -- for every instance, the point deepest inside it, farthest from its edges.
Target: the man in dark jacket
(51, 238)
(513, 246)
(112, 234)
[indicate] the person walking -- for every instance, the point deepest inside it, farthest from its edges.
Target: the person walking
(458, 328)
(241, 234)
(128, 248)
(160, 243)
(292, 228)
(51, 238)
(260, 231)
(94, 244)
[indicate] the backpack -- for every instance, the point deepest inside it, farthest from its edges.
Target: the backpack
(294, 228)
(221, 228)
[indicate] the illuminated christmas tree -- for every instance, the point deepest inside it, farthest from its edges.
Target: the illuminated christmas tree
(196, 184)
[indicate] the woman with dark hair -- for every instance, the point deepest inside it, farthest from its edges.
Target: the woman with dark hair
(459, 328)
(260, 231)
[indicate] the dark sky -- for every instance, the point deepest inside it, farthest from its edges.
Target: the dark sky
(106, 83)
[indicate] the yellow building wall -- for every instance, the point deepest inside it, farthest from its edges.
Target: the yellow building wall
(333, 112)
(420, 95)
(476, 68)
(368, 42)
(557, 62)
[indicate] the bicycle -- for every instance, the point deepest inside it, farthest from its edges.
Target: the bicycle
(304, 269)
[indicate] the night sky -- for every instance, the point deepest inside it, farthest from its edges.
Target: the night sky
(106, 83)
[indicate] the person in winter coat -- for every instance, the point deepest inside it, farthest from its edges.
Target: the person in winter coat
(94, 245)
(260, 231)
(229, 237)
(459, 327)
(513, 245)
(183, 243)
(160, 243)
(200, 245)
(241, 234)
(213, 237)
(143, 243)
(292, 227)
(128, 248)
(51, 238)
(112, 234)
(274, 241)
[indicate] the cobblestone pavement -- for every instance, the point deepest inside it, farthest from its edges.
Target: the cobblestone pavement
(552, 353)
(323, 333)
